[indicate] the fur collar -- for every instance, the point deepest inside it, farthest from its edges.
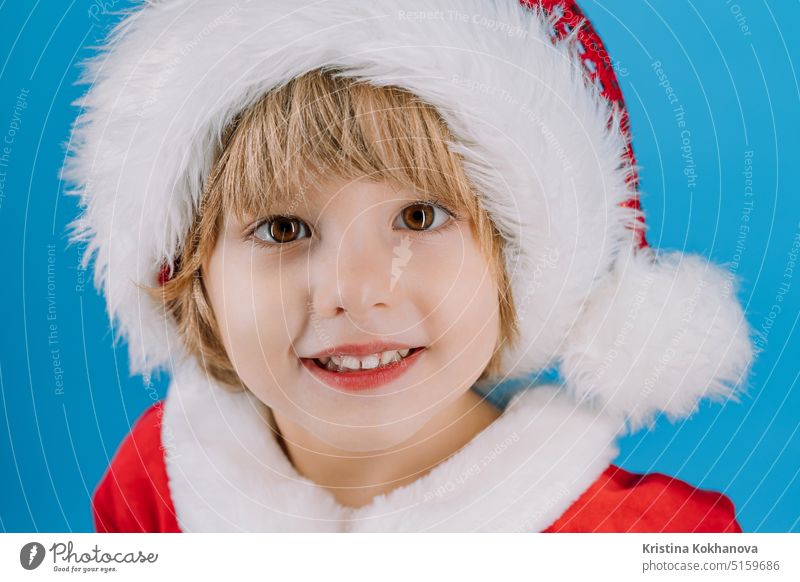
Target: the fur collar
(228, 473)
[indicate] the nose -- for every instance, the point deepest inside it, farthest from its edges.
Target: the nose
(352, 274)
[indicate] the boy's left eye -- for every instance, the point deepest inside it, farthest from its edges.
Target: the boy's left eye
(423, 216)
(419, 216)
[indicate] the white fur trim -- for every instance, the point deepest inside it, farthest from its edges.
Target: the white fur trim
(663, 332)
(227, 472)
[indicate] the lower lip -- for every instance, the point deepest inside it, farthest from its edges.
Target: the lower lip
(356, 381)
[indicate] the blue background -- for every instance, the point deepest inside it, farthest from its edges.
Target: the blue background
(739, 90)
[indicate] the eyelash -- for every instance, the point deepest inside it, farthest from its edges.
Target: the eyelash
(454, 218)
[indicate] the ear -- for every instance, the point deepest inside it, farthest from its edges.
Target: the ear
(660, 333)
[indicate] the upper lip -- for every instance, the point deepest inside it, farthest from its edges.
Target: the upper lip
(361, 349)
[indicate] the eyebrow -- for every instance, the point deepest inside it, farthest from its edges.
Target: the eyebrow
(279, 207)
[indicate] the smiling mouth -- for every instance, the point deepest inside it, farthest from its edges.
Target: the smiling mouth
(347, 364)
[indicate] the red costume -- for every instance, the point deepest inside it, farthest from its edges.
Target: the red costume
(134, 496)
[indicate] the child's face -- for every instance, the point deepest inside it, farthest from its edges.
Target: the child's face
(359, 269)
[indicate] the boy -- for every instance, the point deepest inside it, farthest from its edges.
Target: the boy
(342, 228)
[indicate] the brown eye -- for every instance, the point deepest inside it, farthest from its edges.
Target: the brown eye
(279, 230)
(420, 216)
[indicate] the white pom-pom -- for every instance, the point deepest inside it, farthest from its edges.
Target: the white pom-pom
(662, 332)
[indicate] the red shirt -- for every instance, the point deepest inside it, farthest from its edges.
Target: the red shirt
(133, 496)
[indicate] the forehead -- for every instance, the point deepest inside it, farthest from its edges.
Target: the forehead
(301, 144)
(370, 189)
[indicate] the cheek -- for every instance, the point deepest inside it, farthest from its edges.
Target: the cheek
(461, 305)
(257, 309)
(460, 291)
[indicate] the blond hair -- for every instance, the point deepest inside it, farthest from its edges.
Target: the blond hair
(319, 123)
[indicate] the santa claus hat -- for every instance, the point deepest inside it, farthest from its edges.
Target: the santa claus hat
(531, 96)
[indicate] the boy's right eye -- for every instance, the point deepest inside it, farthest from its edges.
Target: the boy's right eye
(279, 230)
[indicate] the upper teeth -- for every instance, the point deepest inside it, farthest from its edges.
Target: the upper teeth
(365, 363)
